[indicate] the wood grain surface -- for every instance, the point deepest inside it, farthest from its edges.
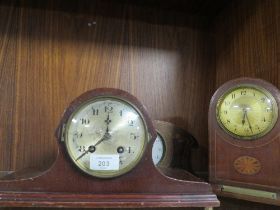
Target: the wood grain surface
(248, 41)
(50, 56)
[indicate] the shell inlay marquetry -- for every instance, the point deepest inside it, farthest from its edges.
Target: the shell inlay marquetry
(247, 165)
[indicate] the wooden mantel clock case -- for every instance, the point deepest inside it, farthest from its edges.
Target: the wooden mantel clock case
(244, 139)
(86, 173)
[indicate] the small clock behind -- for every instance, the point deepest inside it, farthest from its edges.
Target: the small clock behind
(244, 140)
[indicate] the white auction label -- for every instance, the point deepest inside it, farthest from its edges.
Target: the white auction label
(104, 162)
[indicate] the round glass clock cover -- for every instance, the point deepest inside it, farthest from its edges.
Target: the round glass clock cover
(106, 137)
(247, 112)
(158, 150)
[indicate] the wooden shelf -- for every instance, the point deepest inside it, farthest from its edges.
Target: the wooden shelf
(172, 55)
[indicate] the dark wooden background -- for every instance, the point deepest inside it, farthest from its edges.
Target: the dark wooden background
(248, 41)
(172, 55)
(48, 57)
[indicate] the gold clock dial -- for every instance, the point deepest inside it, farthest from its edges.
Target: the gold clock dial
(247, 112)
(106, 137)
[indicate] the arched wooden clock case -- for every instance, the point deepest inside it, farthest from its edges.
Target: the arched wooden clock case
(178, 146)
(228, 154)
(63, 185)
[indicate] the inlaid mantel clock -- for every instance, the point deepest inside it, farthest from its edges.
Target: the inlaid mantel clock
(105, 140)
(244, 139)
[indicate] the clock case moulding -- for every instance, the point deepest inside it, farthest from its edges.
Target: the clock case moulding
(64, 185)
(224, 149)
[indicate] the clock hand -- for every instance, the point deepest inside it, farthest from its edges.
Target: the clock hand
(92, 148)
(106, 136)
(108, 121)
(82, 155)
(246, 115)
(107, 130)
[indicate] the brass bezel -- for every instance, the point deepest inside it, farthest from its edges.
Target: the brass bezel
(258, 88)
(113, 173)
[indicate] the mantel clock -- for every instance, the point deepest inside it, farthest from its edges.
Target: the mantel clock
(105, 141)
(244, 139)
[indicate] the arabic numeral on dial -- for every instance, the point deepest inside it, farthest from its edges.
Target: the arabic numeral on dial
(121, 113)
(82, 149)
(85, 121)
(227, 103)
(108, 108)
(78, 135)
(95, 111)
(130, 122)
(133, 136)
(243, 92)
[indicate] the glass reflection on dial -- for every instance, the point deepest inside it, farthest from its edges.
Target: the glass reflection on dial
(247, 112)
(158, 150)
(110, 127)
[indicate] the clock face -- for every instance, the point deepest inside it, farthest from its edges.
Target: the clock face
(247, 112)
(158, 150)
(106, 137)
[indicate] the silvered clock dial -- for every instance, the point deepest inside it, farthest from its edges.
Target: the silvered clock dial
(158, 150)
(106, 136)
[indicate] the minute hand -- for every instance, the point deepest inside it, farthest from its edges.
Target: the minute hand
(246, 115)
(105, 137)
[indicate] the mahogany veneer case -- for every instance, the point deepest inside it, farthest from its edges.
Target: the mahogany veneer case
(172, 55)
(257, 157)
(63, 185)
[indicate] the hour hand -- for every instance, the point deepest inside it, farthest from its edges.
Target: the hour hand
(106, 136)
(244, 115)
(107, 130)
(108, 121)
